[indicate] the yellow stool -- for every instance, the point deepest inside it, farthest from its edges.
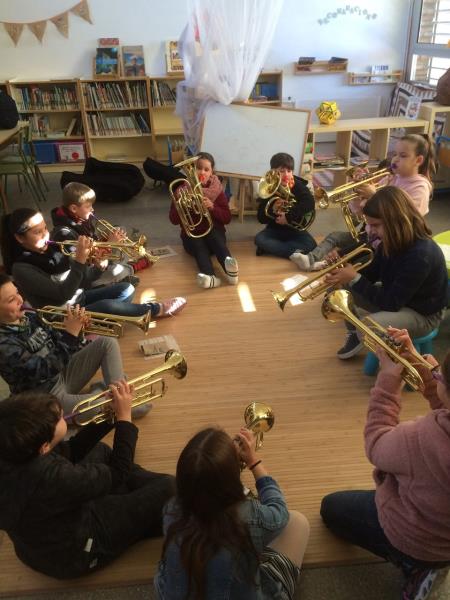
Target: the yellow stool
(443, 240)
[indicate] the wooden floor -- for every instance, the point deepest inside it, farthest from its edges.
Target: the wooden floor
(287, 360)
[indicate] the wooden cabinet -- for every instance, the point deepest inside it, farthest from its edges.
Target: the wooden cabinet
(116, 115)
(54, 112)
(381, 129)
(438, 117)
(166, 126)
(268, 88)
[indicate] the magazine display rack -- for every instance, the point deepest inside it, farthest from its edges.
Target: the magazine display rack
(54, 112)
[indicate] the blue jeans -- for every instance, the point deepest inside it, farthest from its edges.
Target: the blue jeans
(116, 299)
(284, 242)
(353, 516)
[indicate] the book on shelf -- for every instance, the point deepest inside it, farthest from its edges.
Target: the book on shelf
(71, 126)
(133, 64)
(174, 62)
(106, 62)
(328, 161)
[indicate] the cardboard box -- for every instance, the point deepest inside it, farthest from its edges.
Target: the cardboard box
(70, 152)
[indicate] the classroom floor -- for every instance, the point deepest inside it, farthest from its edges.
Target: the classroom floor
(148, 212)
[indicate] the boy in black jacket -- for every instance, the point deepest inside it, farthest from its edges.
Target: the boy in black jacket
(72, 507)
(281, 237)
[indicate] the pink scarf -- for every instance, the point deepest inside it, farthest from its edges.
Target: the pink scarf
(213, 188)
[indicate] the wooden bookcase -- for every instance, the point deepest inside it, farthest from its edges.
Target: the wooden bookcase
(116, 116)
(54, 112)
(269, 85)
(374, 78)
(320, 67)
(166, 126)
(381, 129)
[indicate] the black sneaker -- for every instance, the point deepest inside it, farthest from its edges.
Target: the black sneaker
(259, 251)
(132, 279)
(352, 346)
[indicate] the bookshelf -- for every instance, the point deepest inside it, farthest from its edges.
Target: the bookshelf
(320, 67)
(381, 129)
(268, 88)
(3, 87)
(166, 126)
(53, 110)
(116, 117)
(374, 78)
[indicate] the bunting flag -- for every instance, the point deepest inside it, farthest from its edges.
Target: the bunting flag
(38, 28)
(61, 22)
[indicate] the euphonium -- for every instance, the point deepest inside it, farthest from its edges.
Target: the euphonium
(143, 391)
(115, 250)
(258, 418)
(188, 199)
(338, 305)
(348, 191)
(98, 323)
(316, 285)
(105, 229)
(272, 184)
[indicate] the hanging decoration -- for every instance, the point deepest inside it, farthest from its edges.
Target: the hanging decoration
(61, 22)
(347, 10)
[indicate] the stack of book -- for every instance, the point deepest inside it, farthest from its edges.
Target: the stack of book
(328, 161)
(105, 95)
(116, 126)
(37, 98)
(162, 94)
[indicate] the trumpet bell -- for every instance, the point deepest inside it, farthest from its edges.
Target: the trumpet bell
(337, 305)
(175, 360)
(259, 417)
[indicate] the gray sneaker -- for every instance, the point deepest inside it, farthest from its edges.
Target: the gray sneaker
(352, 346)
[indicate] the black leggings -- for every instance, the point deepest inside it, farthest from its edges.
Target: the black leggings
(202, 248)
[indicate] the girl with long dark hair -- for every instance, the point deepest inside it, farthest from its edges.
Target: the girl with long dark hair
(218, 543)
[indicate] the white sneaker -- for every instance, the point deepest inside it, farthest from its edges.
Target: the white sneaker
(231, 270)
(319, 265)
(301, 260)
(207, 281)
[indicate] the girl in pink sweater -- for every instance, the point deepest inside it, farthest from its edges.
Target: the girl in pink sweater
(406, 520)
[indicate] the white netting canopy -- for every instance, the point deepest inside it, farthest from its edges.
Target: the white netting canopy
(223, 47)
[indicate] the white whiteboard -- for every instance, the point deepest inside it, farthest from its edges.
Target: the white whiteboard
(242, 138)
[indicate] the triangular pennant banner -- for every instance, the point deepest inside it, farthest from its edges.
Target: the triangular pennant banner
(14, 31)
(61, 22)
(38, 28)
(82, 10)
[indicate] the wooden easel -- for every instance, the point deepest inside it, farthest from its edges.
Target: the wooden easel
(245, 199)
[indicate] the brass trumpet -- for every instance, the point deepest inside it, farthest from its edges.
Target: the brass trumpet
(348, 191)
(271, 184)
(338, 305)
(98, 324)
(316, 285)
(105, 229)
(188, 199)
(116, 250)
(143, 391)
(259, 418)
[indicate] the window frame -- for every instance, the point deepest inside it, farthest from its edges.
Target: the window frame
(421, 49)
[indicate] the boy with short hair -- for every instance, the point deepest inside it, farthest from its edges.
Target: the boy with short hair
(281, 237)
(71, 507)
(76, 217)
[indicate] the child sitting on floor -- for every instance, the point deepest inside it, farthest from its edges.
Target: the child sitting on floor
(214, 242)
(76, 217)
(72, 507)
(281, 237)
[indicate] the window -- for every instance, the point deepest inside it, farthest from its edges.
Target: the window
(429, 53)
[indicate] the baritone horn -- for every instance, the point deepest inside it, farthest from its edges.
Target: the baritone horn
(105, 229)
(338, 306)
(348, 191)
(188, 199)
(97, 323)
(316, 285)
(272, 184)
(146, 388)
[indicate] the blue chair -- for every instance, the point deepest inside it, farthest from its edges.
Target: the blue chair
(423, 345)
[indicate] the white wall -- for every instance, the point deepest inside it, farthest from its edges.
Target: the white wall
(151, 22)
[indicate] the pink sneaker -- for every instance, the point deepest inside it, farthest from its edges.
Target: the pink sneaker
(172, 306)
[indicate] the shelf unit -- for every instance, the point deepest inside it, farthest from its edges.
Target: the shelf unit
(320, 67)
(116, 116)
(53, 110)
(166, 126)
(375, 78)
(381, 129)
(269, 87)
(429, 111)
